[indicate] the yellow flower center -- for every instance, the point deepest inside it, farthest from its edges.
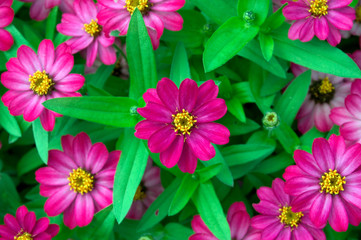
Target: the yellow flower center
(183, 122)
(40, 82)
(326, 86)
(318, 8)
(358, 14)
(289, 218)
(142, 5)
(140, 193)
(23, 236)
(322, 91)
(332, 182)
(80, 181)
(93, 28)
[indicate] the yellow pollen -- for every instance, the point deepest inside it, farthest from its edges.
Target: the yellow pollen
(358, 14)
(23, 236)
(318, 8)
(332, 182)
(139, 194)
(326, 86)
(80, 181)
(40, 82)
(289, 218)
(93, 28)
(131, 5)
(183, 122)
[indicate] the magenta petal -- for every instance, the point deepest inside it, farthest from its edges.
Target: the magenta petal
(47, 119)
(307, 31)
(206, 92)
(320, 209)
(156, 112)
(278, 187)
(97, 157)
(303, 202)
(41, 225)
(38, 11)
(6, 16)
(67, 144)
(29, 222)
(168, 5)
(20, 215)
(42, 236)
(266, 193)
(107, 54)
(338, 147)
(58, 202)
(352, 103)
(105, 178)
(301, 233)
(81, 147)
(17, 81)
(200, 146)
(187, 161)
(294, 31)
(151, 96)
(70, 83)
(199, 226)
(339, 20)
(7, 233)
(91, 53)
(171, 155)
(300, 185)
(338, 216)
(84, 209)
(321, 28)
(351, 160)
(34, 109)
(103, 196)
(262, 221)
(296, 11)
(144, 129)
(161, 139)
(53, 230)
(333, 4)
(188, 93)
(14, 65)
(334, 35)
(351, 130)
(307, 163)
(266, 208)
(323, 155)
(340, 116)
(61, 162)
(272, 231)
(50, 176)
(210, 111)
(62, 67)
(85, 9)
(69, 216)
(46, 54)
(112, 160)
(152, 21)
(168, 93)
(11, 223)
(214, 132)
(172, 20)
(239, 224)
(29, 59)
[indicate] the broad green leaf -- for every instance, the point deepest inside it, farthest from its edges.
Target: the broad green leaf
(30, 161)
(211, 211)
(41, 140)
(129, 173)
(95, 91)
(102, 74)
(60, 38)
(17, 5)
(274, 21)
(141, 61)
(219, 11)
(18, 41)
(9, 197)
(273, 84)
(176, 231)
(180, 66)
(267, 45)
(258, 7)
(242, 91)
(275, 163)
(308, 138)
(354, 3)
(235, 107)
(226, 42)
(51, 23)
(287, 137)
(8, 122)
(238, 128)
(292, 99)
(209, 172)
(317, 55)
(113, 111)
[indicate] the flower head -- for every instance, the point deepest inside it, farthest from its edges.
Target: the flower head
(327, 183)
(6, 18)
(78, 180)
(157, 14)
(279, 219)
(24, 226)
(40, 9)
(179, 123)
(34, 78)
(323, 18)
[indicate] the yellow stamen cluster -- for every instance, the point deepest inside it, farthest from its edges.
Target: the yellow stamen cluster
(40, 83)
(23, 236)
(318, 8)
(358, 14)
(131, 5)
(332, 182)
(80, 181)
(93, 28)
(183, 122)
(326, 86)
(288, 217)
(139, 194)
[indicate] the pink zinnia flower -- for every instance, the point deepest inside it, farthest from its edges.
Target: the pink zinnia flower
(278, 219)
(157, 14)
(34, 78)
(179, 123)
(325, 93)
(239, 222)
(148, 190)
(24, 226)
(323, 18)
(6, 17)
(86, 33)
(66, 6)
(78, 180)
(40, 9)
(327, 182)
(356, 28)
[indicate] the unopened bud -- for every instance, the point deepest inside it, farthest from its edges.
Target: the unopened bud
(270, 120)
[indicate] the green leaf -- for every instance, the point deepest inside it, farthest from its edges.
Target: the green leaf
(18, 41)
(292, 99)
(51, 23)
(183, 194)
(219, 11)
(113, 111)
(238, 128)
(41, 138)
(317, 55)
(129, 173)
(9, 197)
(211, 211)
(242, 91)
(267, 45)
(102, 74)
(30, 161)
(17, 5)
(209, 172)
(235, 107)
(176, 231)
(258, 7)
(275, 163)
(141, 61)
(354, 3)
(180, 66)
(226, 42)
(274, 21)
(8, 122)
(287, 137)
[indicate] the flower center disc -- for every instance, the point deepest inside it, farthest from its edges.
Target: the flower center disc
(290, 218)
(322, 91)
(40, 83)
(142, 5)
(81, 181)
(183, 122)
(318, 8)
(332, 182)
(93, 28)
(140, 193)
(24, 236)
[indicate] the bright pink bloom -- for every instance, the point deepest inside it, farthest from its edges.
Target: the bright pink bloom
(325, 93)
(148, 190)
(278, 219)
(40, 9)
(78, 180)
(179, 123)
(327, 183)
(25, 226)
(157, 14)
(66, 6)
(87, 34)
(6, 17)
(356, 28)
(34, 78)
(239, 222)
(323, 18)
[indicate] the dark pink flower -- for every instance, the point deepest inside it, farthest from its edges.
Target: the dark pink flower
(24, 226)
(157, 14)
(278, 219)
(78, 180)
(40, 9)
(327, 183)
(323, 18)
(325, 93)
(239, 223)
(356, 28)
(179, 123)
(34, 78)
(87, 34)
(6, 17)
(148, 190)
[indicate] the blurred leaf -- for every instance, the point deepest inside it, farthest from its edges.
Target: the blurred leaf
(244, 153)
(9, 197)
(51, 23)
(354, 3)
(209, 172)
(287, 137)
(238, 128)
(95, 91)
(41, 138)
(219, 11)
(30, 161)
(257, 7)
(267, 45)
(180, 66)
(17, 5)
(242, 91)
(176, 231)
(102, 74)
(235, 107)
(274, 21)
(18, 41)
(275, 163)
(8, 122)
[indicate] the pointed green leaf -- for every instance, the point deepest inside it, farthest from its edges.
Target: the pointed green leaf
(267, 45)
(51, 23)
(8, 122)
(180, 67)
(41, 140)
(219, 11)
(287, 137)
(258, 7)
